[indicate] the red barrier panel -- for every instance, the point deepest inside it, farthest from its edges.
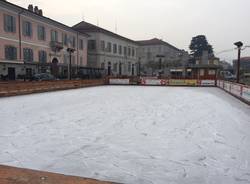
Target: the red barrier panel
(237, 90)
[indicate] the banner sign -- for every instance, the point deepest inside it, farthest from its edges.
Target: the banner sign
(246, 93)
(119, 81)
(236, 89)
(173, 82)
(207, 83)
(227, 86)
(154, 82)
(191, 82)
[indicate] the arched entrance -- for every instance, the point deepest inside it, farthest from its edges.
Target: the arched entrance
(55, 67)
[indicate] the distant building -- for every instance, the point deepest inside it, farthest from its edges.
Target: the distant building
(244, 65)
(157, 55)
(110, 51)
(225, 66)
(205, 67)
(32, 43)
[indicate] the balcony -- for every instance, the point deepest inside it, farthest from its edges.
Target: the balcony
(56, 46)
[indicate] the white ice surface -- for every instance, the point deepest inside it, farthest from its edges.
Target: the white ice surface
(132, 135)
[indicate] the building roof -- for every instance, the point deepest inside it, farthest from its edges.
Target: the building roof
(40, 16)
(85, 27)
(156, 41)
(243, 59)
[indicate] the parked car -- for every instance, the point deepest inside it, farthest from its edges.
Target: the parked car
(43, 77)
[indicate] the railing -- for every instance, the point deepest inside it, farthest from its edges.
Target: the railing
(238, 90)
(21, 88)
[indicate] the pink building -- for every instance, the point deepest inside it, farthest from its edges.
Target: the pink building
(31, 43)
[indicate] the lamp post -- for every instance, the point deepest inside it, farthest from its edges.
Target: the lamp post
(139, 67)
(239, 46)
(70, 51)
(160, 64)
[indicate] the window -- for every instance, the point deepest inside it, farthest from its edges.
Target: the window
(202, 72)
(125, 51)
(54, 36)
(120, 49)
(92, 45)
(10, 53)
(129, 66)
(73, 41)
(65, 58)
(81, 44)
(41, 33)
(103, 46)
(103, 65)
(115, 67)
(27, 55)
(114, 48)
(129, 51)
(65, 39)
(211, 72)
(42, 56)
(133, 52)
(81, 61)
(27, 28)
(73, 61)
(9, 23)
(109, 47)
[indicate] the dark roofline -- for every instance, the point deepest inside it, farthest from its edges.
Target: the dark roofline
(97, 29)
(156, 41)
(41, 16)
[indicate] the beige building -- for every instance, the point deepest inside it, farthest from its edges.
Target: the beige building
(156, 56)
(108, 50)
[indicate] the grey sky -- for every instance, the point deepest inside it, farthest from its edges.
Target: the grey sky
(175, 21)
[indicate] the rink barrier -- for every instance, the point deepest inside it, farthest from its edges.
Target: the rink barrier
(22, 88)
(240, 91)
(178, 82)
(147, 81)
(119, 81)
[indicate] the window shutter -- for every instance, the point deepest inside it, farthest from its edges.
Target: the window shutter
(13, 24)
(6, 23)
(24, 29)
(6, 52)
(30, 27)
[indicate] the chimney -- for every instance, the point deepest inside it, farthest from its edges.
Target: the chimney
(36, 10)
(40, 12)
(30, 8)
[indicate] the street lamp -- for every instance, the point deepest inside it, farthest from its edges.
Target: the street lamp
(70, 51)
(160, 63)
(239, 46)
(139, 67)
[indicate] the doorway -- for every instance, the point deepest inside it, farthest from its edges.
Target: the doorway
(109, 69)
(55, 67)
(11, 73)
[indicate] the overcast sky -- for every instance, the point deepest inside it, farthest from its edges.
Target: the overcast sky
(174, 21)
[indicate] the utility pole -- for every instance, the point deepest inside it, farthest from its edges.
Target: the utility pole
(239, 46)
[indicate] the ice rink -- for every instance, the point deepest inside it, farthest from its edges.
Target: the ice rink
(131, 135)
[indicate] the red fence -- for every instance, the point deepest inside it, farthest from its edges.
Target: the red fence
(240, 91)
